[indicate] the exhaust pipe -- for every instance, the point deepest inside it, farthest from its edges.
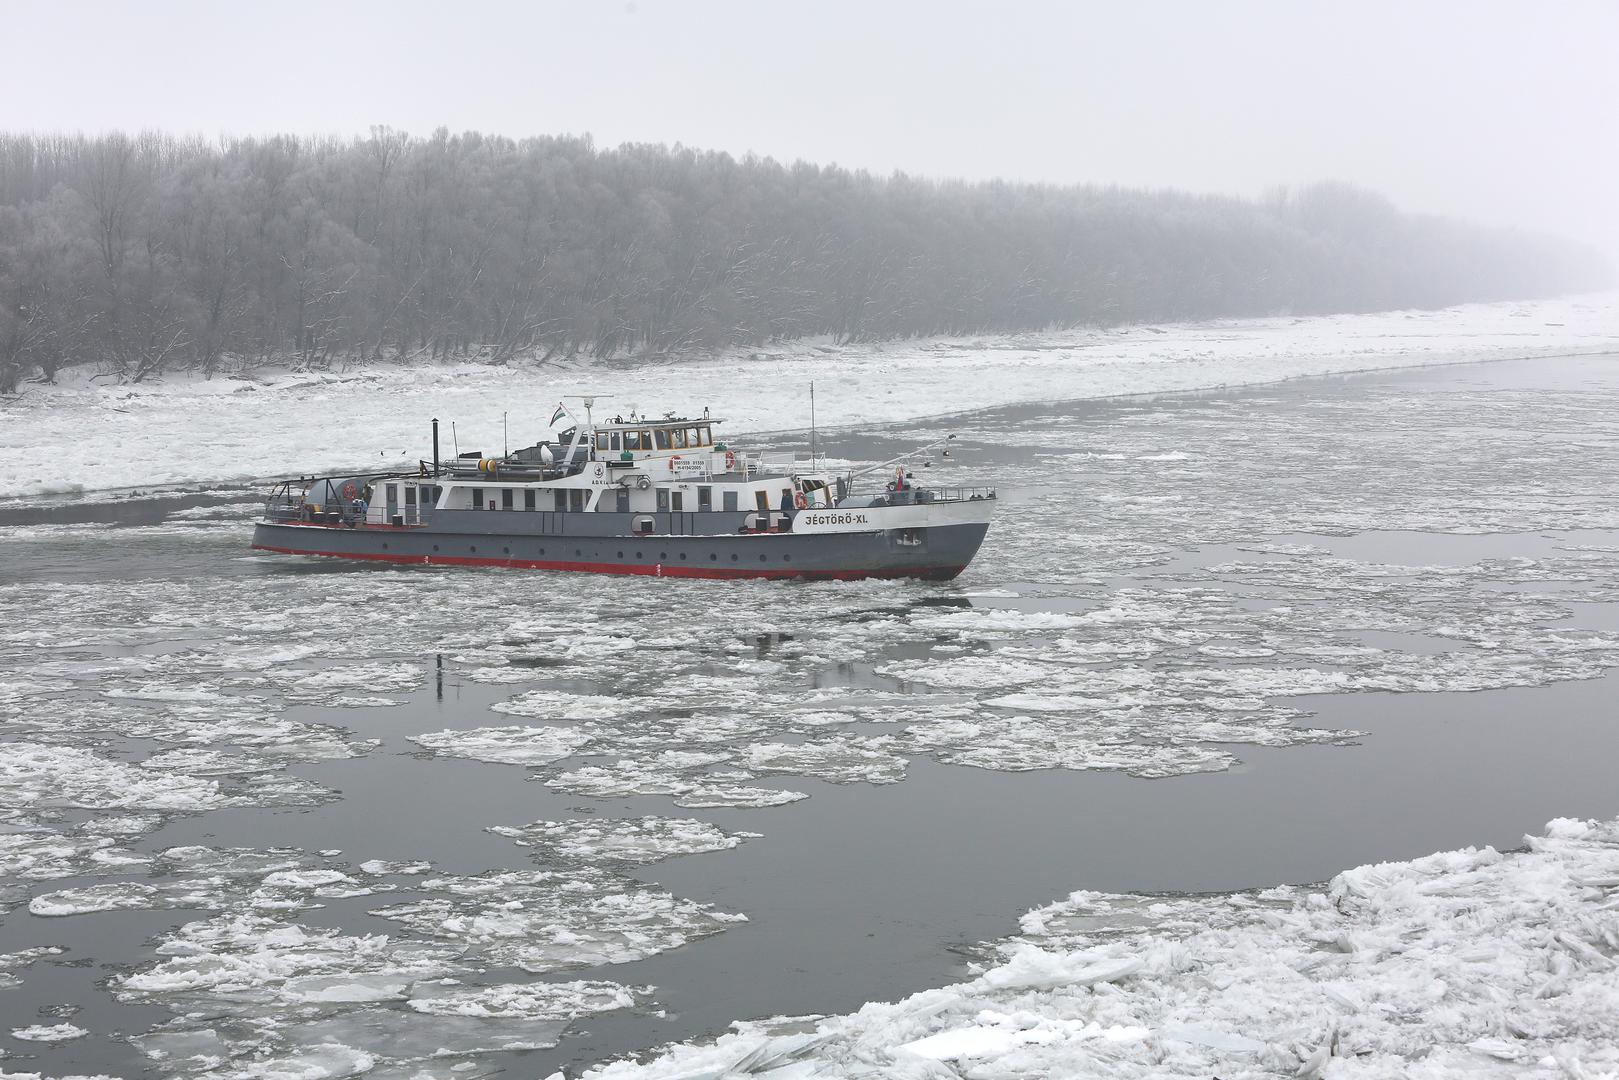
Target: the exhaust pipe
(435, 446)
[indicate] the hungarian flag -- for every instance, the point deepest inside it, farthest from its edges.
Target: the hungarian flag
(562, 410)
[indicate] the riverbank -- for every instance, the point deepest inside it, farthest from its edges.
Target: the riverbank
(85, 437)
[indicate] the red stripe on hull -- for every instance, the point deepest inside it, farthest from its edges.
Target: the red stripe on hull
(937, 573)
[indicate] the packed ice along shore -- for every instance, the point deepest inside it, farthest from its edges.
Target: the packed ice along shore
(1464, 963)
(83, 435)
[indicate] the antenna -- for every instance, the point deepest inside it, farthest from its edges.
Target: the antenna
(454, 439)
(589, 401)
(812, 423)
(505, 445)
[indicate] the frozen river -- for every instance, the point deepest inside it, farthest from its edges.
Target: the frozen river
(264, 818)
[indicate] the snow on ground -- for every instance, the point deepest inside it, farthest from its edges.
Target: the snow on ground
(1464, 963)
(83, 436)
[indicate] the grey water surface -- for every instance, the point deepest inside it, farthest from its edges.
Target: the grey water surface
(1417, 568)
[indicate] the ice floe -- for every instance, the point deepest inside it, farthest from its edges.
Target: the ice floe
(628, 840)
(543, 921)
(1469, 962)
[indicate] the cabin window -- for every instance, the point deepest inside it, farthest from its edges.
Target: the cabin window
(663, 500)
(728, 500)
(576, 499)
(705, 499)
(761, 500)
(678, 501)
(679, 436)
(632, 440)
(528, 500)
(477, 498)
(616, 441)
(506, 495)
(601, 440)
(410, 496)
(662, 435)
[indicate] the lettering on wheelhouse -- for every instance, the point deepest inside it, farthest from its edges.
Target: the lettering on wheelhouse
(835, 519)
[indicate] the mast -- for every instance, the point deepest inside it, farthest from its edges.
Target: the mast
(812, 425)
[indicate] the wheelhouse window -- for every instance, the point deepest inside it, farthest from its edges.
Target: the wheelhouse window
(707, 435)
(616, 440)
(601, 440)
(662, 436)
(632, 440)
(679, 436)
(646, 439)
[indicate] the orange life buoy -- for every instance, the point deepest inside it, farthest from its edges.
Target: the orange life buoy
(800, 501)
(672, 461)
(349, 491)
(730, 461)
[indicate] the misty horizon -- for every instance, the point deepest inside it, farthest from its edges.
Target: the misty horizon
(1499, 113)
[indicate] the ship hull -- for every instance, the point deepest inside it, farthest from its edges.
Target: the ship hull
(936, 549)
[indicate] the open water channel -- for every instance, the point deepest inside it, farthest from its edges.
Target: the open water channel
(1214, 642)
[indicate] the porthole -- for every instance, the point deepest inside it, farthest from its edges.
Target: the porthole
(663, 556)
(637, 554)
(435, 547)
(505, 551)
(786, 558)
(713, 557)
(542, 551)
(474, 547)
(385, 545)
(733, 556)
(621, 554)
(577, 552)
(761, 558)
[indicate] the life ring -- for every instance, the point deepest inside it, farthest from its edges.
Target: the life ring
(800, 501)
(349, 491)
(730, 460)
(673, 458)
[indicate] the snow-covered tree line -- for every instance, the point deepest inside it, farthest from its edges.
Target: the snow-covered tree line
(150, 252)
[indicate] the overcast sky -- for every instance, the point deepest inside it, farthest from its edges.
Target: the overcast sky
(1500, 112)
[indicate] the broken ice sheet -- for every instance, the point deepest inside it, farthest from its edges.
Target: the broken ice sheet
(10, 963)
(633, 841)
(542, 921)
(1468, 962)
(506, 745)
